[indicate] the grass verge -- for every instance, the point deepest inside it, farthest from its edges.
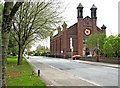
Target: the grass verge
(21, 75)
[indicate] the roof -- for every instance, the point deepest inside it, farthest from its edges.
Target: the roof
(86, 17)
(103, 27)
(100, 30)
(72, 25)
(93, 7)
(80, 6)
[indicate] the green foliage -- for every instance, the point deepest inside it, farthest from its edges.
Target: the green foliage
(111, 46)
(42, 49)
(37, 53)
(96, 41)
(36, 21)
(21, 75)
(12, 46)
(33, 21)
(29, 53)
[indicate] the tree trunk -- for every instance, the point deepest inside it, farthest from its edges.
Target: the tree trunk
(98, 55)
(6, 25)
(0, 59)
(8, 14)
(5, 40)
(20, 53)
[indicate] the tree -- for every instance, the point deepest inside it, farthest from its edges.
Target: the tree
(34, 21)
(96, 41)
(111, 46)
(1, 9)
(12, 46)
(42, 49)
(8, 13)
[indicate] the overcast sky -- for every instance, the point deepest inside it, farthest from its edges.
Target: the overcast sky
(107, 13)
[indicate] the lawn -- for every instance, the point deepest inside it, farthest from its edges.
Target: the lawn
(21, 75)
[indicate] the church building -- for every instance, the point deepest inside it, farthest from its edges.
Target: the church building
(72, 41)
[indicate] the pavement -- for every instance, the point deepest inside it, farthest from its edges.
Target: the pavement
(56, 77)
(99, 63)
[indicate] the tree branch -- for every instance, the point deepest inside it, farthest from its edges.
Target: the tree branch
(15, 9)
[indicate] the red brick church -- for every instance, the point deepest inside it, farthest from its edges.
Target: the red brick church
(72, 40)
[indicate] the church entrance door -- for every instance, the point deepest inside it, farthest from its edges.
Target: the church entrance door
(87, 52)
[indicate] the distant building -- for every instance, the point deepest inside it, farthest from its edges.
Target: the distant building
(72, 40)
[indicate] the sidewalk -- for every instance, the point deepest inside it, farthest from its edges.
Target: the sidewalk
(55, 77)
(98, 63)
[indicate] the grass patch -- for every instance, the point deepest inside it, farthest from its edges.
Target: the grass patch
(21, 75)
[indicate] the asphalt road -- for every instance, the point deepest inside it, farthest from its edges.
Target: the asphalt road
(101, 75)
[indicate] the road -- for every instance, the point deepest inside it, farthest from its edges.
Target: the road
(101, 75)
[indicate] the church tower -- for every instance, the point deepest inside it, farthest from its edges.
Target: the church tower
(94, 17)
(80, 11)
(93, 11)
(73, 40)
(80, 28)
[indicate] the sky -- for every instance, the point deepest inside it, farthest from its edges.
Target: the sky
(107, 14)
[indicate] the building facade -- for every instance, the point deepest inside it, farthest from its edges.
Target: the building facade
(71, 41)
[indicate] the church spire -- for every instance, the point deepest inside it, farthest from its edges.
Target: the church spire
(93, 11)
(103, 27)
(80, 11)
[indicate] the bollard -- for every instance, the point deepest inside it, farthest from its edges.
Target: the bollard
(38, 72)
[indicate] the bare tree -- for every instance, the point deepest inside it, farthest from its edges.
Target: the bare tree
(35, 21)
